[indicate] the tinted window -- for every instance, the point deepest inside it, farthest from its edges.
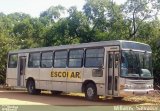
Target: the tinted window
(60, 59)
(12, 61)
(76, 58)
(47, 59)
(110, 59)
(94, 57)
(34, 60)
(137, 46)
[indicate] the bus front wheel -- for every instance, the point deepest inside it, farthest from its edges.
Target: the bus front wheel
(91, 92)
(31, 88)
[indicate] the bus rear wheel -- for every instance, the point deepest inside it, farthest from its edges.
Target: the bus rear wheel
(31, 88)
(91, 92)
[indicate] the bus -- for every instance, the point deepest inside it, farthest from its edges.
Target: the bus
(116, 68)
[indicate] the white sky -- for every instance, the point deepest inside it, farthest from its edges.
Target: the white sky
(35, 7)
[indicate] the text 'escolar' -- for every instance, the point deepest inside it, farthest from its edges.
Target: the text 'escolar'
(65, 74)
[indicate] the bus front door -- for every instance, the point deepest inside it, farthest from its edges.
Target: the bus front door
(113, 72)
(21, 72)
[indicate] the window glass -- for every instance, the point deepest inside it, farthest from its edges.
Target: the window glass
(76, 58)
(95, 52)
(94, 57)
(13, 61)
(34, 60)
(94, 62)
(47, 59)
(116, 60)
(60, 54)
(136, 64)
(76, 53)
(60, 63)
(60, 60)
(110, 59)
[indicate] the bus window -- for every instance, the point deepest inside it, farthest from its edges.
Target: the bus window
(94, 57)
(47, 59)
(110, 61)
(76, 58)
(60, 59)
(34, 60)
(12, 61)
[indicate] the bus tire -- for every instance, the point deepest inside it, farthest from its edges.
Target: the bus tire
(91, 92)
(31, 88)
(56, 92)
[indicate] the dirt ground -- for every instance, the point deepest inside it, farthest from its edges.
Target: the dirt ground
(14, 97)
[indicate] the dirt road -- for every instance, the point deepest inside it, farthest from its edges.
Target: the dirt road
(10, 97)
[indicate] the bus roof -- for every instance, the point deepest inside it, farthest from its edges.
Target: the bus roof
(81, 45)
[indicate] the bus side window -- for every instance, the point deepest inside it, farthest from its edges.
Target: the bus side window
(47, 59)
(76, 58)
(94, 57)
(12, 63)
(60, 59)
(34, 60)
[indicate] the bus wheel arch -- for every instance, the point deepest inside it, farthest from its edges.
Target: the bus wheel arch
(90, 90)
(30, 85)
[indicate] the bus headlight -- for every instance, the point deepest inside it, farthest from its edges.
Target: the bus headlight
(149, 86)
(121, 87)
(127, 86)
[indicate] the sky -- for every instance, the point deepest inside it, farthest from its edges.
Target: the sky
(35, 7)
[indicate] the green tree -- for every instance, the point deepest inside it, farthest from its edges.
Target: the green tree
(52, 14)
(6, 44)
(138, 11)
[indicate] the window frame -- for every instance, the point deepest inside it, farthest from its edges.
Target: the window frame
(36, 59)
(94, 57)
(46, 59)
(9, 57)
(60, 58)
(82, 59)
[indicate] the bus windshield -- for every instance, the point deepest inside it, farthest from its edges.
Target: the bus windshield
(136, 64)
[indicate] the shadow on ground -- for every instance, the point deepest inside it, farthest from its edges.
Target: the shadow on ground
(61, 100)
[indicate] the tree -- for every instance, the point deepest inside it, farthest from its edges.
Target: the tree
(6, 44)
(106, 20)
(138, 11)
(52, 14)
(23, 31)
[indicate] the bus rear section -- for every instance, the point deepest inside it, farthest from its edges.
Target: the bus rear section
(16, 69)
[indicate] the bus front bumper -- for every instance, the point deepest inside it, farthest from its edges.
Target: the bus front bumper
(132, 92)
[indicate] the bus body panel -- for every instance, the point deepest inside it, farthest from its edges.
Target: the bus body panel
(33, 73)
(59, 82)
(11, 79)
(74, 79)
(99, 81)
(45, 79)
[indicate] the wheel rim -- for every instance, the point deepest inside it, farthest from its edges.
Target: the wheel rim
(90, 92)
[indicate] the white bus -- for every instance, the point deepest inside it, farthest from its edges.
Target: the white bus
(109, 68)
